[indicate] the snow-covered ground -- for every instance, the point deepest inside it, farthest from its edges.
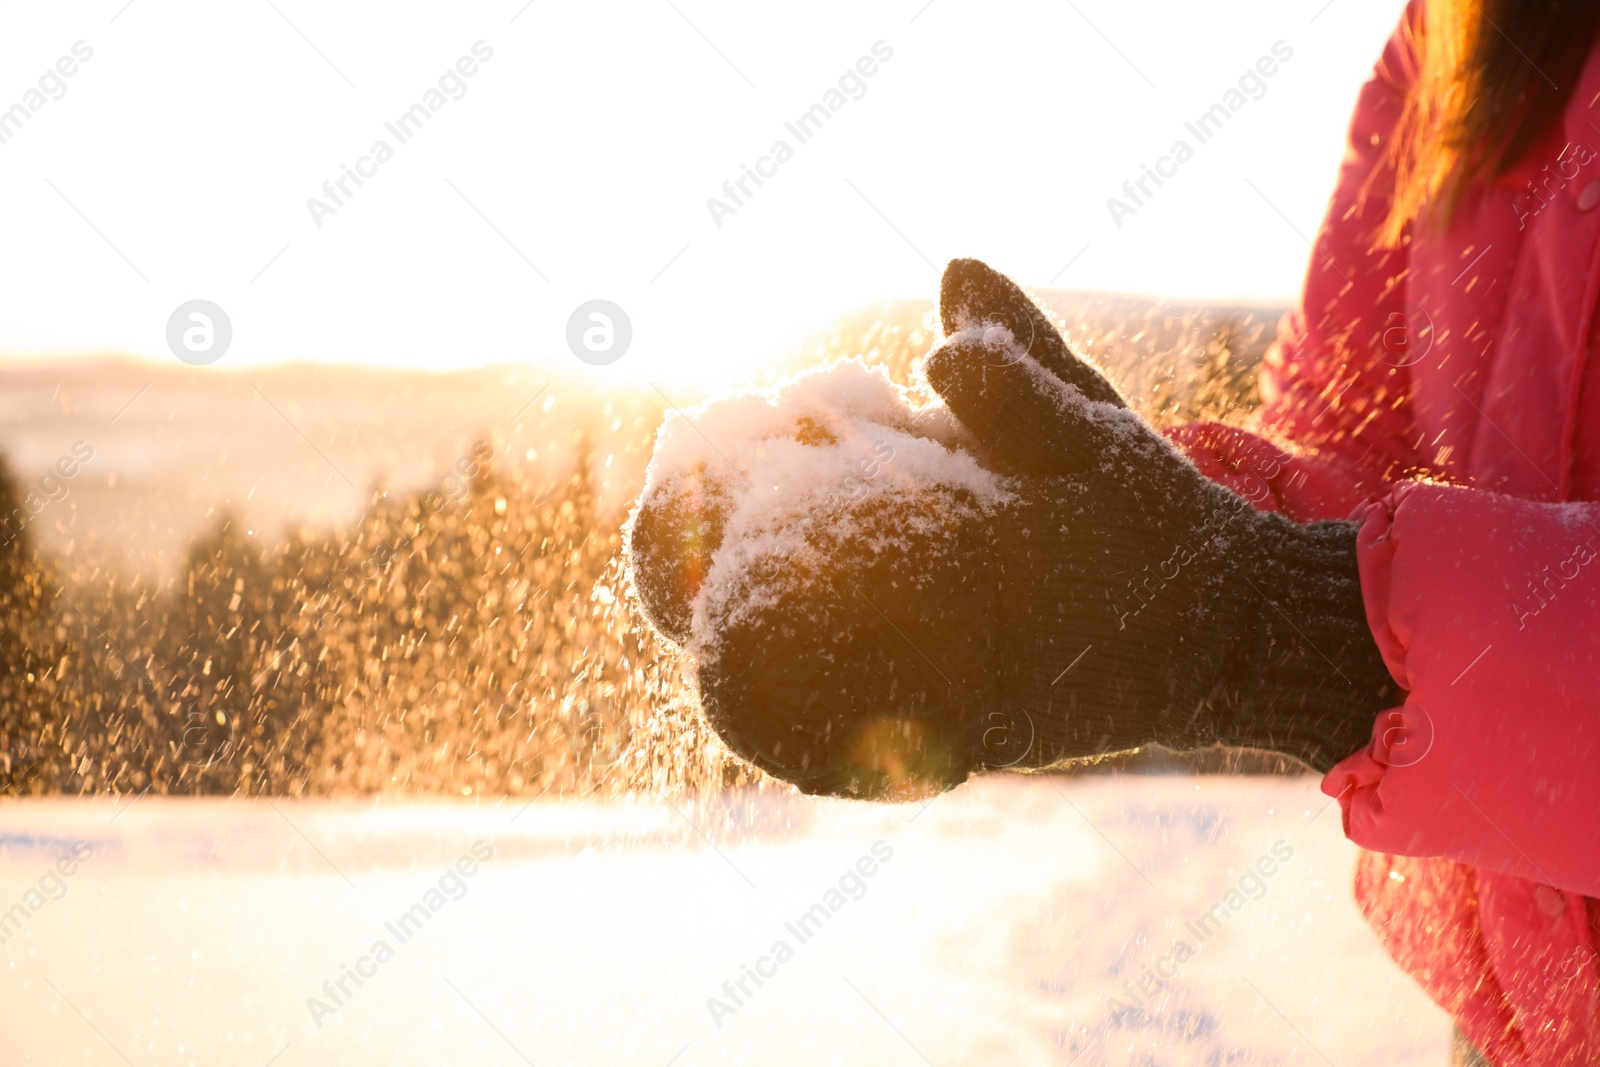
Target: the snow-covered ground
(996, 926)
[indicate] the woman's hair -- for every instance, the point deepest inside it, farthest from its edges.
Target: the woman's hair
(1492, 76)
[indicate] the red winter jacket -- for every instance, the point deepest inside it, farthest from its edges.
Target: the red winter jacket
(1466, 357)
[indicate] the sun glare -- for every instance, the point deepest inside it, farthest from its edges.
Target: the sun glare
(445, 189)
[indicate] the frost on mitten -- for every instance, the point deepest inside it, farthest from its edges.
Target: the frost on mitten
(821, 552)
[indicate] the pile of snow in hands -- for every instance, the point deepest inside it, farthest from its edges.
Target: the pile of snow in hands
(785, 467)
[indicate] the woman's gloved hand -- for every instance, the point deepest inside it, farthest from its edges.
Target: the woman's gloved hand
(1140, 602)
(1108, 598)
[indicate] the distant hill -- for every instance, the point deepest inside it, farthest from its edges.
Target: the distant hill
(197, 440)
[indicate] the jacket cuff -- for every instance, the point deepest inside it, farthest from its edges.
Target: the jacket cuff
(1486, 610)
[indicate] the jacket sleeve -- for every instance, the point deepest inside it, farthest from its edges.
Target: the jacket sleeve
(1487, 611)
(1486, 608)
(1335, 385)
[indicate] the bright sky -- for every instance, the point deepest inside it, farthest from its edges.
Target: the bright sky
(578, 163)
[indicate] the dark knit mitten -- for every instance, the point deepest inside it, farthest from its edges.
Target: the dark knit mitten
(858, 654)
(1140, 602)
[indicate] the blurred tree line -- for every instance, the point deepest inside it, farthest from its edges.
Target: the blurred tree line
(480, 641)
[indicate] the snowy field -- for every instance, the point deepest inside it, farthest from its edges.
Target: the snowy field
(996, 926)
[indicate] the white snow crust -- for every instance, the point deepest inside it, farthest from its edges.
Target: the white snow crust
(791, 464)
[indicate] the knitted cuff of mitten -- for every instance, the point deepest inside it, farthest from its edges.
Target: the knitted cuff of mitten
(1305, 677)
